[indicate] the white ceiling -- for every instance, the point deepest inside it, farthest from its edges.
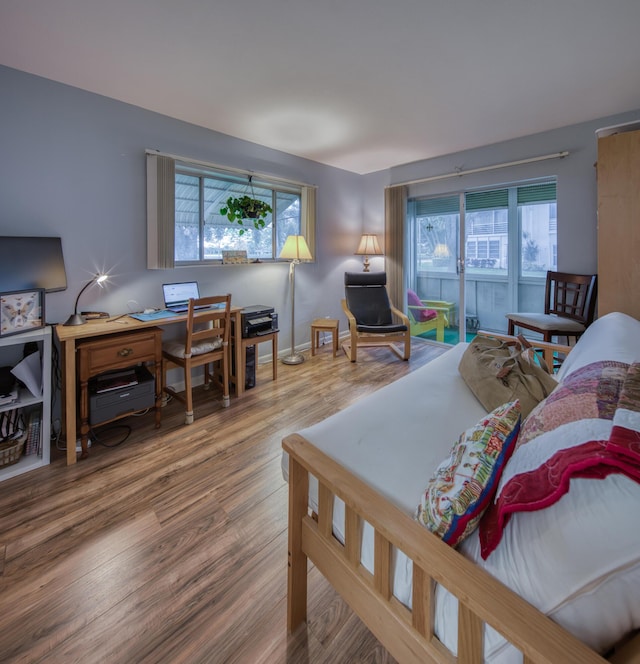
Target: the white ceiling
(358, 84)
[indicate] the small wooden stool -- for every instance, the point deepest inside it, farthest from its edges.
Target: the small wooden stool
(324, 325)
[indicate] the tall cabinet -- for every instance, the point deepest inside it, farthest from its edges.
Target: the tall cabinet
(36, 409)
(619, 219)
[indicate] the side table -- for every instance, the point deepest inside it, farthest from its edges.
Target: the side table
(254, 341)
(324, 325)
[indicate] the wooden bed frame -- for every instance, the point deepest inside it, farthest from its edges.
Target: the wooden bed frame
(409, 634)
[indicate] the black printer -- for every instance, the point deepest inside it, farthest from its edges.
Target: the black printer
(258, 319)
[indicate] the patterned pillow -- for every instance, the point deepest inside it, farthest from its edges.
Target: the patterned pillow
(591, 392)
(463, 485)
(570, 428)
(625, 435)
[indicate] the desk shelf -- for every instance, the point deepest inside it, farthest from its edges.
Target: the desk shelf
(11, 353)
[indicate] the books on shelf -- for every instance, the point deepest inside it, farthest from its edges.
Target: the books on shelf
(116, 380)
(10, 397)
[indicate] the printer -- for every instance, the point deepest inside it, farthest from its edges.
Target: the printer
(257, 320)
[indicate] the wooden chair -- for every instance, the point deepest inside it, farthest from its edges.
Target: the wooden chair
(570, 304)
(206, 341)
(370, 315)
(422, 318)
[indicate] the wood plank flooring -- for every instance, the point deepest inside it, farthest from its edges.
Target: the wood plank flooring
(172, 545)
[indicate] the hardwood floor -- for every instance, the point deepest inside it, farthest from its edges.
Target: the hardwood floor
(172, 546)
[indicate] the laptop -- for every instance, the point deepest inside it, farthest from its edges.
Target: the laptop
(177, 296)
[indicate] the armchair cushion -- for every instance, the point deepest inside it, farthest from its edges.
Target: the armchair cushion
(422, 315)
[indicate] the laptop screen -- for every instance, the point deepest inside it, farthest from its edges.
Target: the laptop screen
(180, 293)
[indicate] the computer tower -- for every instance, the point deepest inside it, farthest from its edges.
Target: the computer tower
(250, 368)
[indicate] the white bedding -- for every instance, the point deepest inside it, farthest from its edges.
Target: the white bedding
(549, 557)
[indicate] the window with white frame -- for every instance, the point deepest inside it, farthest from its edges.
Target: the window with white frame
(186, 227)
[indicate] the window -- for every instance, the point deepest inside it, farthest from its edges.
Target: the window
(537, 214)
(185, 226)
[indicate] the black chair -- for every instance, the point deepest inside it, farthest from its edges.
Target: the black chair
(370, 315)
(570, 305)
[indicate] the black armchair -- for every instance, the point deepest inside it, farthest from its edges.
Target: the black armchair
(370, 315)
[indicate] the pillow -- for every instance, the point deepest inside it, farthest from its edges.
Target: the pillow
(612, 337)
(591, 392)
(571, 429)
(625, 434)
(463, 484)
(176, 348)
(421, 315)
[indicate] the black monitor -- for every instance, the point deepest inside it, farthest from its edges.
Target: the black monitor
(31, 262)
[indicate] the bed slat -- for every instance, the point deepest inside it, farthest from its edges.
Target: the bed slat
(352, 539)
(382, 565)
(325, 510)
(470, 639)
(423, 602)
(297, 573)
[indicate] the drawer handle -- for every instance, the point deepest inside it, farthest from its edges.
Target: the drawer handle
(125, 352)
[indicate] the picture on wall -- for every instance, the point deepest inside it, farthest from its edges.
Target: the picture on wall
(21, 311)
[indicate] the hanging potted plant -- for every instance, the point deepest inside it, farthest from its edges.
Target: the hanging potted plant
(239, 209)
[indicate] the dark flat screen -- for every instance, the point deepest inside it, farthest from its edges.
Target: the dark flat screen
(31, 262)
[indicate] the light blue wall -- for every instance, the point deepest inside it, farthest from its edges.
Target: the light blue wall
(576, 173)
(72, 164)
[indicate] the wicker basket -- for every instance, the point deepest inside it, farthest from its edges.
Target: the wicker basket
(11, 450)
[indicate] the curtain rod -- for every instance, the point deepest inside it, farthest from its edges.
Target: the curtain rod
(460, 173)
(228, 169)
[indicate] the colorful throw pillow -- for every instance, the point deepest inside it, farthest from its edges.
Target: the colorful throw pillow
(625, 434)
(421, 315)
(463, 485)
(570, 428)
(591, 392)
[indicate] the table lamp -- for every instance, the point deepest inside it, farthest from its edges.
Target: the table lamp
(368, 247)
(76, 318)
(295, 249)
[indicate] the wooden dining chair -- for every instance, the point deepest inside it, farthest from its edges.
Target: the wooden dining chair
(206, 342)
(570, 305)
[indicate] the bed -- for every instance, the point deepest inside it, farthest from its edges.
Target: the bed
(569, 593)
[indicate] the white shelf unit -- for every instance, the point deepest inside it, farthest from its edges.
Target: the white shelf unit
(11, 353)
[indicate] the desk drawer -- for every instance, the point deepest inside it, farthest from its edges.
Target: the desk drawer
(116, 351)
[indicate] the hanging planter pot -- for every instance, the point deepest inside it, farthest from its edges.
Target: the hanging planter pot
(246, 208)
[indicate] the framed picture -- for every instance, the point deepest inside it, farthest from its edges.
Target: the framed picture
(234, 257)
(21, 311)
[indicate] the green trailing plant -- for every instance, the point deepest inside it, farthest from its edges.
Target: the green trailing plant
(245, 208)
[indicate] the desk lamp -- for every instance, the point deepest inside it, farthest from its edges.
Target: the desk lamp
(295, 249)
(368, 247)
(76, 318)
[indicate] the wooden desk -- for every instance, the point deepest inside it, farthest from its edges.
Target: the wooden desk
(96, 328)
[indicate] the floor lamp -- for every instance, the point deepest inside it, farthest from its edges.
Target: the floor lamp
(295, 249)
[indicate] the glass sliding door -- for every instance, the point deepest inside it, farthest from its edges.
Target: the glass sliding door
(501, 241)
(435, 251)
(487, 268)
